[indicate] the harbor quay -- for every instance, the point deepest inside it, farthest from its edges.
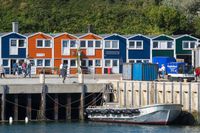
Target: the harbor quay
(55, 100)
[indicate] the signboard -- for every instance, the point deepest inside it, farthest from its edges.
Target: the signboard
(112, 52)
(40, 54)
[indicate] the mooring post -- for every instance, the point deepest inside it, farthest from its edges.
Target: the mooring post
(56, 107)
(68, 107)
(94, 99)
(132, 97)
(16, 107)
(43, 103)
(3, 102)
(172, 92)
(82, 102)
(155, 93)
(190, 102)
(181, 92)
(29, 107)
(164, 92)
(124, 94)
(140, 93)
(198, 110)
(148, 92)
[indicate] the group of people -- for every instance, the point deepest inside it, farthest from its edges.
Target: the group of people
(64, 72)
(24, 68)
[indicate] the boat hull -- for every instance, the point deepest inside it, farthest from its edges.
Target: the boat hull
(161, 114)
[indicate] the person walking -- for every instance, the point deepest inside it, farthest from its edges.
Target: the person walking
(28, 70)
(163, 71)
(15, 68)
(64, 72)
(2, 71)
(24, 65)
(61, 66)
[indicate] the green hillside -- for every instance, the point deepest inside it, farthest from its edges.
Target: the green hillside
(106, 16)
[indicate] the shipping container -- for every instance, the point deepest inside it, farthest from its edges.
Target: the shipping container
(140, 71)
(127, 71)
(145, 72)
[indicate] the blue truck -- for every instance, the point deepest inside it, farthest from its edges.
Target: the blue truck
(178, 71)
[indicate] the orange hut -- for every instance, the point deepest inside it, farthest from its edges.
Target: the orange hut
(65, 51)
(40, 49)
(91, 52)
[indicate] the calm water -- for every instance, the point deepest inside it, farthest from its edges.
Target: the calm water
(88, 127)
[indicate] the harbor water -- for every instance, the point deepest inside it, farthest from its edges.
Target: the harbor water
(91, 127)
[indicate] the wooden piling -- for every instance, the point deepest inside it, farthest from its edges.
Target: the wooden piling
(29, 106)
(56, 101)
(16, 107)
(3, 103)
(68, 107)
(42, 114)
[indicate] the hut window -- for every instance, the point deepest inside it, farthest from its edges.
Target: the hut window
(155, 44)
(108, 63)
(13, 42)
(169, 44)
(90, 44)
(73, 63)
(21, 43)
(47, 43)
(83, 63)
(90, 63)
(115, 63)
(73, 44)
(98, 44)
(5, 62)
(32, 62)
(83, 44)
(97, 63)
(39, 43)
(115, 44)
(47, 62)
(107, 44)
(136, 44)
(40, 62)
(188, 45)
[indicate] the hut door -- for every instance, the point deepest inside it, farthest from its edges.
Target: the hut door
(13, 47)
(65, 47)
(90, 49)
(115, 66)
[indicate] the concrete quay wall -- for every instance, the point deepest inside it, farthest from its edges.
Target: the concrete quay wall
(141, 93)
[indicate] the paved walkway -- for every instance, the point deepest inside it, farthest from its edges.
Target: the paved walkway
(55, 79)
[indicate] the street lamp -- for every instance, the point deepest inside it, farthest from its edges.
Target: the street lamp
(80, 74)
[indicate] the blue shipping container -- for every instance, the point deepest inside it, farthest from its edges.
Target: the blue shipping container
(127, 71)
(162, 60)
(145, 71)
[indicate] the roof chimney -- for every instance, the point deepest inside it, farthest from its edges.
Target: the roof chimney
(15, 27)
(89, 28)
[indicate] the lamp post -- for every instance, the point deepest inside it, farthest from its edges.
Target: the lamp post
(80, 75)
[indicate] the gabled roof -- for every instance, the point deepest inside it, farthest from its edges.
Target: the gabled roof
(33, 34)
(65, 33)
(80, 37)
(179, 36)
(129, 37)
(162, 35)
(109, 35)
(6, 34)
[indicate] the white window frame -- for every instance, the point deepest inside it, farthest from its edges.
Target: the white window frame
(162, 45)
(43, 43)
(43, 62)
(85, 44)
(189, 45)
(100, 63)
(6, 60)
(70, 44)
(142, 60)
(70, 63)
(62, 47)
(24, 43)
(135, 44)
(111, 44)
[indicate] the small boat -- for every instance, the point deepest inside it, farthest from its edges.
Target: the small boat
(161, 114)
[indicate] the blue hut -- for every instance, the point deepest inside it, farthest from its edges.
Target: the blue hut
(12, 49)
(138, 48)
(114, 53)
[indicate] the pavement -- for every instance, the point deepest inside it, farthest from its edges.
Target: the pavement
(55, 79)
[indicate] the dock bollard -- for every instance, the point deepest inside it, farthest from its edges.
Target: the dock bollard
(10, 120)
(26, 120)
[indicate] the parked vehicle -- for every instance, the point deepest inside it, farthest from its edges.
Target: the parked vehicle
(178, 71)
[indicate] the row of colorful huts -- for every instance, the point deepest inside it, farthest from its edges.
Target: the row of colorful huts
(98, 52)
